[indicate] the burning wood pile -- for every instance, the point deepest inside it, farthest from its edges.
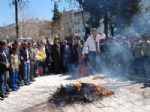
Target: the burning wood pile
(84, 92)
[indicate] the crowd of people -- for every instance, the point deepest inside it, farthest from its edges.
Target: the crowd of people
(126, 55)
(21, 62)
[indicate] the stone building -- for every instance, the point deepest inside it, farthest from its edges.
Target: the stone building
(72, 22)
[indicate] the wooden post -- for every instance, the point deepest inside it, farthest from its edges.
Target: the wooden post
(16, 18)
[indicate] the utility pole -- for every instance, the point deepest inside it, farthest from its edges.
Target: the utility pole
(16, 17)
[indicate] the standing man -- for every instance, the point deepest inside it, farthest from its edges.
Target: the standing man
(92, 44)
(126, 55)
(146, 60)
(103, 54)
(32, 61)
(66, 55)
(137, 51)
(4, 66)
(48, 56)
(73, 52)
(56, 55)
(25, 61)
(114, 52)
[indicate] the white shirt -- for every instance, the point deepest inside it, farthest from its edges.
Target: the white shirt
(90, 44)
(27, 53)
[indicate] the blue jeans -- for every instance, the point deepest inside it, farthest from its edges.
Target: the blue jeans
(66, 61)
(14, 80)
(26, 76)
(3, 82)
(92, 61)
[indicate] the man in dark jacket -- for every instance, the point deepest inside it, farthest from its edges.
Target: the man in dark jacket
(4, 66)
(25, 62)
(73, 52)
(48, 56)
(56, 56)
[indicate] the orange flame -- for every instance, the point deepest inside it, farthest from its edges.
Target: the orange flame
(78, 86)
(96, 89)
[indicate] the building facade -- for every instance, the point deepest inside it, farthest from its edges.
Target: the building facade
(73, 23)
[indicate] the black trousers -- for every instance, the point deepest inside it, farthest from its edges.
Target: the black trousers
(57, 65)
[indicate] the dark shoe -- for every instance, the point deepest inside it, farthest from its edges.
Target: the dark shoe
(27, 84)
(33, 80)
(4, 96)
(7, 93)
(21, 84)
(1, 95)
(1, 98)
(18, 87)
(14, 89)
(8, 90)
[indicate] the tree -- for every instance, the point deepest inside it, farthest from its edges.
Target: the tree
(115, 13)
(24, 14)
(56, 21)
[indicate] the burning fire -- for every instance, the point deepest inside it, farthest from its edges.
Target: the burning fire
(79, 91)
(96, 89)
(78, 86)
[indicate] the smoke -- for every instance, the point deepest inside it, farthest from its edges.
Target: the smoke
(141, 23)
(114, 60)
(117, 56)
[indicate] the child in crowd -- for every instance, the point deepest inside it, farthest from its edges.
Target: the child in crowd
(14, 62)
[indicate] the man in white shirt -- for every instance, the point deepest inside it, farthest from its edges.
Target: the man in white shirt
(92, 44)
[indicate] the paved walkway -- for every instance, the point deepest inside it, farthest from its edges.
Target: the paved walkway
(128, 97)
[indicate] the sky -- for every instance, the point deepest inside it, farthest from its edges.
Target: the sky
(41, 9)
